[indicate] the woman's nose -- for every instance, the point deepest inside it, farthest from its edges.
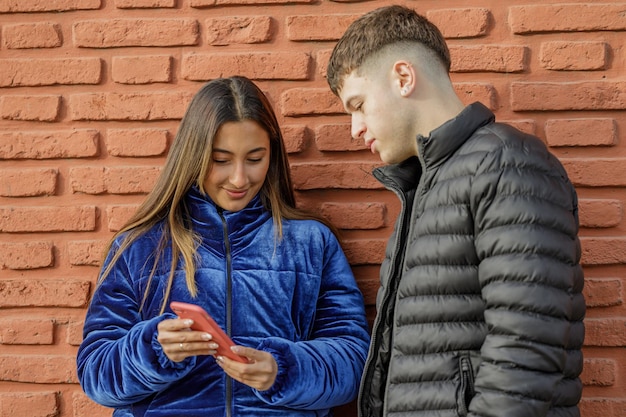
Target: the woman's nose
(238, 176)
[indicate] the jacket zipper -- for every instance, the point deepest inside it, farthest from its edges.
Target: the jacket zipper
(229, 295)
(397, 262)
(367, 376)
(467, 386)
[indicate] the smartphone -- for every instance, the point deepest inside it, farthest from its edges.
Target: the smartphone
(205, 323)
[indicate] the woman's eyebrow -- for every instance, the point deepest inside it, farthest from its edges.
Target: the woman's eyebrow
(260, 148)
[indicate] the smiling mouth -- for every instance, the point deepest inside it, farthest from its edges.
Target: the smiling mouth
(236, 194)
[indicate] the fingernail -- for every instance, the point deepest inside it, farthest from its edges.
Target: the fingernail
(219, 359)
(235, 349)
(188, 322)
(206, 336)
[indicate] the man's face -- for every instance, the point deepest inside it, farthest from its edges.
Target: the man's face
(380, 115)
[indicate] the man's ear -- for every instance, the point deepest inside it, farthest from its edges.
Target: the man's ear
(404, 77)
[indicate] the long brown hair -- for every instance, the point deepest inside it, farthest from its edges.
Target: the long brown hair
(188, 163)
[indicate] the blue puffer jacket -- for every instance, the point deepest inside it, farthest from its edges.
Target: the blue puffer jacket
(295, 298)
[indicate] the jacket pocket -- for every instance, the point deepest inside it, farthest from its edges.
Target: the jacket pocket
(466, 387)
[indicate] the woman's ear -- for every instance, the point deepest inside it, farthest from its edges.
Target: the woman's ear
(405, 77)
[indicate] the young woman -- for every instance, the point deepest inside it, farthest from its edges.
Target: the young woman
(221, 230)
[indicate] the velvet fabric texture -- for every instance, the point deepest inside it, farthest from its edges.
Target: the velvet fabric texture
(295, 298)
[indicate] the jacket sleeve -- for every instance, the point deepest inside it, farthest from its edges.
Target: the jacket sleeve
(324, 371)
(120, 361)
(526, 227)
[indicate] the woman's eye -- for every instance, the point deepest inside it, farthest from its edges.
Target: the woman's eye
(219, 161)
(255, 160)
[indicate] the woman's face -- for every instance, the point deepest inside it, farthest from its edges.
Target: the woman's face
(240, 161)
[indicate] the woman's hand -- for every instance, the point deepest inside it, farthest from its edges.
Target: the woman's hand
(180, 342)
(259, 373)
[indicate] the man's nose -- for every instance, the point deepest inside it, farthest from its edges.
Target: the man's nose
(358, 127)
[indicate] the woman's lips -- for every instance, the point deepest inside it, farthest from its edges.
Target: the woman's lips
(235, 195)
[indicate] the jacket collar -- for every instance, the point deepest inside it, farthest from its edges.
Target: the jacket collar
(435, 148)
(208, 219)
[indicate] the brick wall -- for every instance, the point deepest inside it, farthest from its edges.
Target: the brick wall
(91, 92)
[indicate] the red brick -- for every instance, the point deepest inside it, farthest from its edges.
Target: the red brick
(131, 179)
(26, 6)
(141, 4)
(581, 132)
(86, 252)
(118, 215)
(321, 61)
(598, 213)
(47, 219)
(78, 143)
(136, 142)
(214, 3)
(40, 369)
(369, 288)
(83, 406)
(142, 69)
(113, 180)
(28, 182)
(360, 216)
(602, 407)
(26, 255)
(88, 180)
(309, 101)
(32, 35)
(585, 95)
(605, 332)
(296, 138)
(337, 137)
(470, 92)
(31, 404)
(365, 252)
(238, 30)
(603, 292)
(599, 372)
(254, 65)
(129, 106)
(525, 125)
(115, 33)
(41, 71)
(318, 28)
(566, 18)
(461, 23)
(574, 56)
(596, 172)
(44, 293)
(74, 334)
(35, 108)
(338, 175)
(26, 332)
(603, 250)
(488, 58)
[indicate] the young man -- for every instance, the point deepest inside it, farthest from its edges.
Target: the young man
(480, 311)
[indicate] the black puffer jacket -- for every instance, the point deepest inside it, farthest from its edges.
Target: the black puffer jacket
(480, 311)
